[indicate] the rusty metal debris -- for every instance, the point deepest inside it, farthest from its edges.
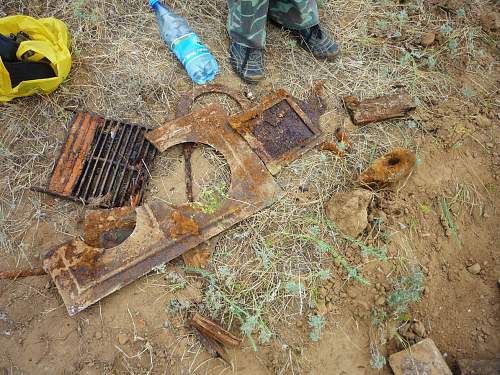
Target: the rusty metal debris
(213, 336)
(380, 108)
(103, 162)
(389, 169)
(200, 255)
(108, 228)
(278, 129)
(17, 274)
(340, 146)
(184, 106)
(84, 274)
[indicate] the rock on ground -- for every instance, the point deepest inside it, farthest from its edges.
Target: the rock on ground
(421, 358)
(349, 211)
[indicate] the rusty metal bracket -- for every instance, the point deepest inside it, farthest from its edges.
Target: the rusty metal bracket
(103, 162)
(84, 274)
(278, 130)
(183, 108)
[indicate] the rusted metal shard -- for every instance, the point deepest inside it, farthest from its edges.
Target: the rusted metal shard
(84, 274)
(389, 169)
(184, 106)
(214, 348)
(108, 228)
(341, 146)
(278, 130)
(103, 162)
(213, 330)
(380, 108)
(17, 274)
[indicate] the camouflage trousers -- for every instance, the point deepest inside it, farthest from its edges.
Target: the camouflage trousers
(247, 18)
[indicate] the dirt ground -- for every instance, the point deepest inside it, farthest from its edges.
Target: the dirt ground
(455, 135)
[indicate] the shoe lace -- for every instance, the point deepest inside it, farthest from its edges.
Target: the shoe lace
(316, 32)
(253, 54)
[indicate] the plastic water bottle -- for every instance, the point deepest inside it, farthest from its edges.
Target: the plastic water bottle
(185, 44)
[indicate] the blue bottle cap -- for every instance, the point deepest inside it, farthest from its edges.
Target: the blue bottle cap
(152, 3)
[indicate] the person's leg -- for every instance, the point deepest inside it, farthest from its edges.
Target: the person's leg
(301, 17)
(246, 25)
(294, 14)
(246, 22)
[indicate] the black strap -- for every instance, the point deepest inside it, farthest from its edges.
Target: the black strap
(8, 48)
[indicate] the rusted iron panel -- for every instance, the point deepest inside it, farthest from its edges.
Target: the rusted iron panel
(278, 130)
(85, 274)
(103, 162)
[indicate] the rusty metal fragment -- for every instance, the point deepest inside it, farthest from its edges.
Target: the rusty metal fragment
(340, 146)
(213, 330)
(379, 108)
(108, 228)
(84, 274)
(103, 162)
(17, 274)
(214, 348)
(278, 129)
(184, 106)
(389, 168)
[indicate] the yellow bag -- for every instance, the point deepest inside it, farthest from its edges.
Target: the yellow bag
(49, 39)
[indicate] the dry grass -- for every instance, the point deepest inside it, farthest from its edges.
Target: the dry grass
(264, 271)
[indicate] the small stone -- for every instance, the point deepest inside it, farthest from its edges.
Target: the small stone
(427, 39)
(349, 210)
(380, 301)
(98, 335)
(474, 269)
(122, 339)
(489, 145)
(419, 328)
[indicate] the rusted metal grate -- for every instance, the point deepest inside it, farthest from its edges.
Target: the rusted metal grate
(104, 162)
(278, 129)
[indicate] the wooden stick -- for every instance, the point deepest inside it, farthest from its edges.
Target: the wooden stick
(12, 275)
(213, 330)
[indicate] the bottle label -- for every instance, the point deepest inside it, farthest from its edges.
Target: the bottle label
(188, 48)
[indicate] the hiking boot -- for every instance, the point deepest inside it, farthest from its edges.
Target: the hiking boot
(318, 42)
(247, 62)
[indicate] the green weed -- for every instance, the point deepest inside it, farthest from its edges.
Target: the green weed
(449, 219)
(211, 200)
(316, 322)
(407, 290)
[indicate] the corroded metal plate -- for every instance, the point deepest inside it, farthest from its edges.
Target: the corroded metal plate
(85, 274)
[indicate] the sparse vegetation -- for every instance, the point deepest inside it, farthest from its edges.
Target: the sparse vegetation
(316, 322)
